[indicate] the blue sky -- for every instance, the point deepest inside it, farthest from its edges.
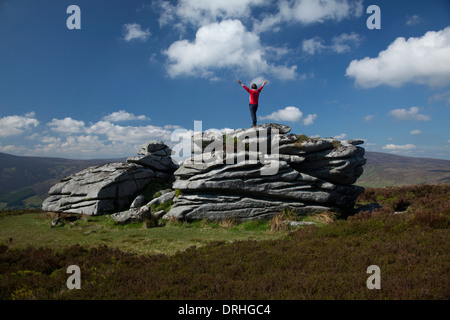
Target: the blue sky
(138, 70)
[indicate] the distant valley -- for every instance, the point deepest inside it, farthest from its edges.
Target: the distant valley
(383, 169)
(25, 181)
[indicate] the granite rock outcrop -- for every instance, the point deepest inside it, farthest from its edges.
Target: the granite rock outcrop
(111, 187)
(254, 173)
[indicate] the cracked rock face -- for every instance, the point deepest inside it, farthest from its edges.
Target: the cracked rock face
(155, 155)
(111, 187)
(98, 190)
(308, 176)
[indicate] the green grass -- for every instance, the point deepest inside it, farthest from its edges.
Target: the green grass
(302, 137)
(33, 229)
(228, 260)
(33, 202)
(22, 198)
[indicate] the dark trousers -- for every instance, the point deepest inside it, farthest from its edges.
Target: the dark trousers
(253, 108)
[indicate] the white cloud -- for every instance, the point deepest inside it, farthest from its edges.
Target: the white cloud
(305, 76)
(113, 132)
(222, 45)
(413, 20)
(66, 125)
(409, 114)
(71, 138)
(171, 127)
(310, 11)
(313, 45)
(133, 31)
(258, 80)
(309, 119)
(340, 44)
(368, 118)
(123, 115)
(291, 114)
(200, 12)
(341, 136)
(395, 147)
(16, 125)
(416, 131)
(444, 96)
(101, 139)
(345, 42)
(82, 147)
(128, 134)
(423, 60)
(12, 149)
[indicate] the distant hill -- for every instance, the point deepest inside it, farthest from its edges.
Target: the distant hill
(25, 181)
(383, 169)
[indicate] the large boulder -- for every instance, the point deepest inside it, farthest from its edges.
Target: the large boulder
(132, 215)
(156, 156)
(98, 190)
(139, 214)
(111, 187)
(308, 176)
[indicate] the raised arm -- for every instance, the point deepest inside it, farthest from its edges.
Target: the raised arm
(264, 83)
(243, 86)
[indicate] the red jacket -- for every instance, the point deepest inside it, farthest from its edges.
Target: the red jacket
(254, 94)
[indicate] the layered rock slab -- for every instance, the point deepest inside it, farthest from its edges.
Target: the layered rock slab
(98, 190)
(156, 156)
(312, 176)
(111, 187)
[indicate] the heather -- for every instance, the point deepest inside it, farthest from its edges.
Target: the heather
(408, 238)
